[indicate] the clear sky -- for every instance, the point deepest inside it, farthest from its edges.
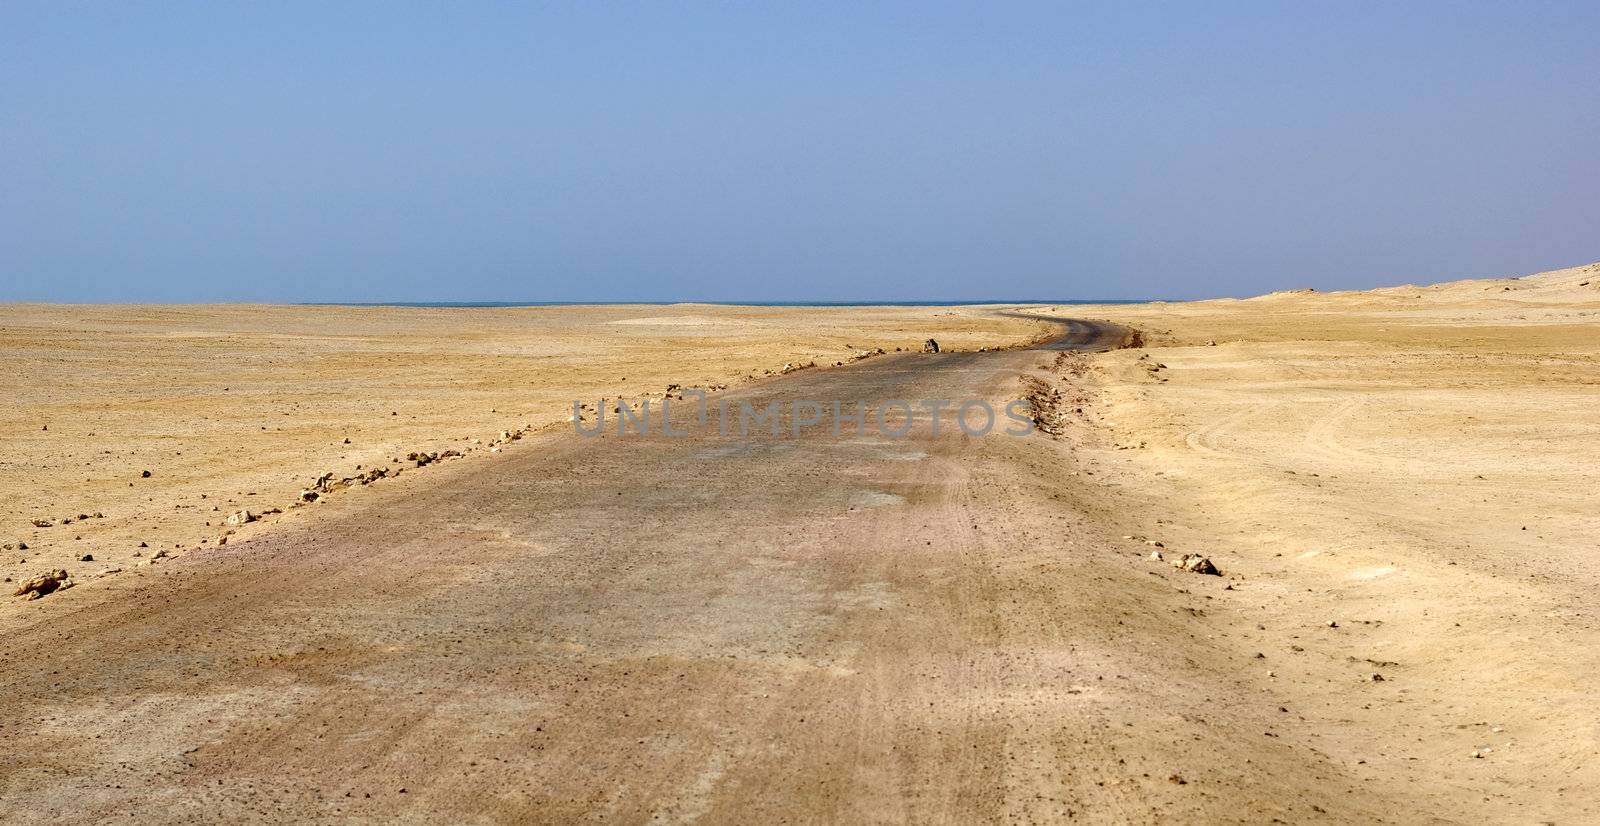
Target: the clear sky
(351, 151)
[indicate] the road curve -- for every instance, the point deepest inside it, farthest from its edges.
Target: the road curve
(822, 629)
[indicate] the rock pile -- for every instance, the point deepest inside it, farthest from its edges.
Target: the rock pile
(44, 584)
(425, 458)
(1046, 403)
(1196, 564)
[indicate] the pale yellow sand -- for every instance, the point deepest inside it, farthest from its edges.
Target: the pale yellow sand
(1398, 483)
(1419, 465)
(233, 407)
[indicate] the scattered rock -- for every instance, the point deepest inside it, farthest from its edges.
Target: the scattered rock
(44, 584)
(144, 474)
(1377, 678)
(1211, 344)
(242, 518)
(308, 496)
(1196, 564)
(930, 346)
(1155, 556)
(422, 458)
(86, 558)
(1047, 404)
(42, 523)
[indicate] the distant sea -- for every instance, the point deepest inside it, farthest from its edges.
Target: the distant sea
(728, 303)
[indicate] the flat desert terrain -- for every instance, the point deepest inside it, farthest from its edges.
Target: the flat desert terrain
(1397, 489)
(1408, 482)
(241, 407)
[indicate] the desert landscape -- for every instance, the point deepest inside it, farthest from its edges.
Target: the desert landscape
(716, 413)
(1301, 557)
(144, 428)
(1406, 480)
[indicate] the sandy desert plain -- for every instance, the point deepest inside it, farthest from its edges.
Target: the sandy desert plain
(1399, 487)
(235, 407)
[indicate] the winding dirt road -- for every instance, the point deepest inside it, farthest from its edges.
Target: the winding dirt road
(814, 629)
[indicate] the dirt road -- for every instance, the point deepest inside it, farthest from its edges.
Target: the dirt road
(815, 629)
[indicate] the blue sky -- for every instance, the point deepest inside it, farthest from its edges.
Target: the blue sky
(810, 151)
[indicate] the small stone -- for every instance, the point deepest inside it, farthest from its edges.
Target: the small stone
(243, 517)
(144, 474)
(86, 558)
(1333, 624)
(1377, 678)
